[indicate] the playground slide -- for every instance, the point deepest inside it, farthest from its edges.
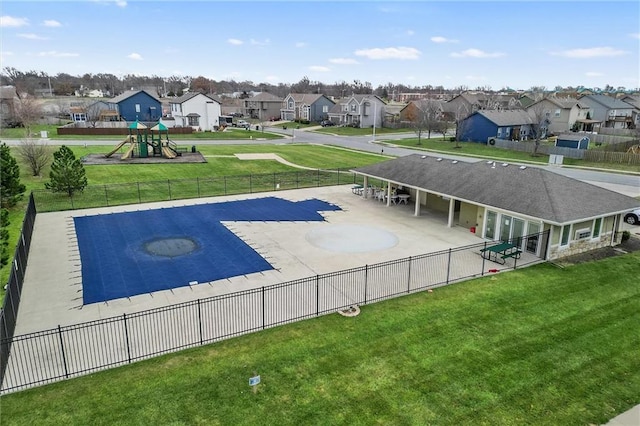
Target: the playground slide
(167, 152)
(128, 152)
(120, 145)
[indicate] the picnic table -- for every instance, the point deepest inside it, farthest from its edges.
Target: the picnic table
(499, 253)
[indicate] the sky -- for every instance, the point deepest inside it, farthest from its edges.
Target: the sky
(515, 44)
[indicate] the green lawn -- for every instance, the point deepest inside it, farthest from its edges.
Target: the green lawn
(352, 131)
(537, 346)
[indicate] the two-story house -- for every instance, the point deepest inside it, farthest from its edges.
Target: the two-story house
(263, 106)
(611, 112)
(196, 110)
(305, 106)
(486, 124)
(359, 111)
(135, 105)
(564, 115)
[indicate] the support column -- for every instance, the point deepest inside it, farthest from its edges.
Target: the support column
(388, 192)
(417, 206)
(452, 207)
(365, 186)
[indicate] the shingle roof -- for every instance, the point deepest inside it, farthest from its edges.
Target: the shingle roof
(609, 102)
(531, 191)
(191, 95)
(507, 117)
(265, 96)
(306, 98)
(127, 95)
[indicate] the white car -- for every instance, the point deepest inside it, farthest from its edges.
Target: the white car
(633, 217)
(243, 123)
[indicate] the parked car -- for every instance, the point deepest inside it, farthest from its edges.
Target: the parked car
(327, 123)
(633, 217)
(243, 123)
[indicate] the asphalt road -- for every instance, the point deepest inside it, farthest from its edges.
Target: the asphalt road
(626, 183)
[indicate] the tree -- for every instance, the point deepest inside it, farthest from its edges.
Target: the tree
(4, 237)
(67, 173)
(27, 111)
(427, 112)
(540, 124)
(35, 155)
(11, 190)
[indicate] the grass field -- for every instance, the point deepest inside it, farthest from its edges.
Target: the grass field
(537, 346)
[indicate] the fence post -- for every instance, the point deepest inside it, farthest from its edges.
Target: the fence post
(71, 199)
(198, 185)
(338, 175)
(139, 196)
(483, 259)
(64, 357)
(366, 281)
(263, 314)
(274, 181)
(448, 265)
(126, 336)
(200, 321)
(317, 294)
(169, 188)
(106, 195)
(225, 185)
(250, 184)
(409, 276)
(297, 180)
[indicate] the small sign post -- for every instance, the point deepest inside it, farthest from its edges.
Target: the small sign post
(253, 382)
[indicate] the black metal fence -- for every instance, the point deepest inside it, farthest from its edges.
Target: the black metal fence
(69, 351)
(9, 313)
(177, 189)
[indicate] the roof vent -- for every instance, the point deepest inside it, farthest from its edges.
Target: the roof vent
(489, 162)
(454, 162)
(523, 167)
(438, 159)
(423, 157)
(505, 164)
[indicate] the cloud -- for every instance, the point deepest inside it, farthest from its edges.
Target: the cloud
(476, 53)
(235, 41)
(319, 68)
(591, 52)
(440, 39)
(593, 74)
(31, 36)
(56, 54)
(135, 56)
(343, 61)
(265, 42)
(51, 23)
(389, 53)
(410, 32)
(119, 3)
(10, 21)
(635, 35)
(301, 44)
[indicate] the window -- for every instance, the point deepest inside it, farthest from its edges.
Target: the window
(353, 107)
(490, 226)
(534, 235)
(137, 107)
(325, 108)
(557, 113)
(290, 105)
(565, 235)
(194, 120)
(597, 224)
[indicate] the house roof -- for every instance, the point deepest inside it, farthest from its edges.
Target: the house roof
(191, 95)
(608, 101)
(127, 95)
(306, 98)
(566, 103)
(265, 97)
(506, 117)
(529, 191)
(359, 98)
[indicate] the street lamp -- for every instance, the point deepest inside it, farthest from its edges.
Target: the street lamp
(375, 113)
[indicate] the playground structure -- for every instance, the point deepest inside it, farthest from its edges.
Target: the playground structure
(141, 138)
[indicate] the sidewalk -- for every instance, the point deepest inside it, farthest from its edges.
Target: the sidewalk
(628, 418)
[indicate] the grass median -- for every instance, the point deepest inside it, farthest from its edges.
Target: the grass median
(541, 345)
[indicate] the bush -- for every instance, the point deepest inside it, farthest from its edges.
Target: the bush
(452, 139)
(625, 236)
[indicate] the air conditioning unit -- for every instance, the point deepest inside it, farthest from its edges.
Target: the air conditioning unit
(581, 234)
(491, 141)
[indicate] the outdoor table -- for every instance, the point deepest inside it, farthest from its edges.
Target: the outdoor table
(504, 250)
(403, 198)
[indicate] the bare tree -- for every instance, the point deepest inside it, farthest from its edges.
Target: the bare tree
(461, 125)
(441, 127)
(35, 155)
(27, 111)
(425, 117)
(540, 124)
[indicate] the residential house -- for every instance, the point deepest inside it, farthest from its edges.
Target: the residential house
(634, 100)
(305, 106)
(415, 109)
(263, 106)
(609, 111)
(544, 213)
(393, 114)
(8, 98)
(564, 115)
(484, 125)
(232, 106)
(135, 105)
(359, 111)
(196, 110)
(467, 103)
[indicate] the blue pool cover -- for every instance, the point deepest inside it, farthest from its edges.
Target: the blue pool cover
(126, 254)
